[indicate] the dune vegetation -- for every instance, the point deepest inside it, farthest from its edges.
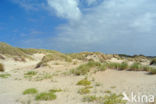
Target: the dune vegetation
(90, 77)
(30, 91)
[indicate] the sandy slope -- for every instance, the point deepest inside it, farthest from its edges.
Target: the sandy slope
(123, 81)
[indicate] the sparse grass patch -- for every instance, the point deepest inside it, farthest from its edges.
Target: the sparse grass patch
(84, 90)
(1, 68)
(75, 62)
(30, 74)
(4, 75)
(89, 98)
(85, 68)
(45, 96)
(55, 90)
(118, 66)
(113, 87)
(84, 82)
(112, 98)
(113, 65)
(97, 84)
(146, 68)
(123, 66)
(102, 67)
(135, 67)
(30, 91)
(43, 76)
(108, 91)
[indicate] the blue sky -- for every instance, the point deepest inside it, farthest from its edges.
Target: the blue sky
(109, 26)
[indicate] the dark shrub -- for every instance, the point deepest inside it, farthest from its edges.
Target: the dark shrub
(1, 68)
(153, 62)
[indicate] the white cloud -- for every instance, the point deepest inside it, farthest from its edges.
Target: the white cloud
(29, 4)
(90, 2)
(66, 8)
(145, 22)
(114, 26)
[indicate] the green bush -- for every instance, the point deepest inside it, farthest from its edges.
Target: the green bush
(30, 91)
(45, 96)
(1, 68)
(84, 82)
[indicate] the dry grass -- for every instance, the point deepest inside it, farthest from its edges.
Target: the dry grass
(152, 71)
(52, 57)
(84, 56)
(85, 68)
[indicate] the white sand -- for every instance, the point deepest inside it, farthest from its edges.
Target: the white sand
(124, 81)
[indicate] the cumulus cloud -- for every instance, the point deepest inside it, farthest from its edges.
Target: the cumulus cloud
(66, 8)
(114, 26)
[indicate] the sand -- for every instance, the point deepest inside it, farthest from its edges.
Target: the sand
(11, 88)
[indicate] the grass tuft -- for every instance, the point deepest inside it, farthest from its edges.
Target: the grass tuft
(85, 68)
(135, 67)
(30, 74)
(112, 98)
(84, 82)
(30, 91)
(45, 96)
(4, 75)
(84, 90)
(55, 90)
(123, 66)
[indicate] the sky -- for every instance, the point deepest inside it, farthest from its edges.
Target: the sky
(108, 26)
